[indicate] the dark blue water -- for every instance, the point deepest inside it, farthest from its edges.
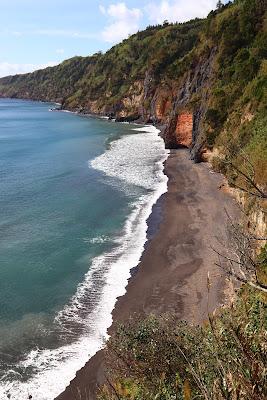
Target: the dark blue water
(59, 214)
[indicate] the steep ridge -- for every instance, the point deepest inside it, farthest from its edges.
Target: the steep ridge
(204, 80)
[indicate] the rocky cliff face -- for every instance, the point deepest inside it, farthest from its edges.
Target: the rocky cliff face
(185, 120)
(184, 129)
(168, 104)
(195, 79)
(172, 105)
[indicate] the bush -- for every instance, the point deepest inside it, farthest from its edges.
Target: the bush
(161, 358)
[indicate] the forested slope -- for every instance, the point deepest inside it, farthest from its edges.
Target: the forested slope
(205, 82)
(213, 70)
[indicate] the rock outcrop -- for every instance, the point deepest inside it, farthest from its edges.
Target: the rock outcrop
(183, 118)
(184, 129)
(191, 78)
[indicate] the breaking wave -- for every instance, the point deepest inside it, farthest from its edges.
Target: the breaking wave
(133, 161)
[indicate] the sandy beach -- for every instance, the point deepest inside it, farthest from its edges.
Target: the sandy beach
(185, 224)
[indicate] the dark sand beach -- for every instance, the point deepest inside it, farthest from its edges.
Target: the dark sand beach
(186, 223)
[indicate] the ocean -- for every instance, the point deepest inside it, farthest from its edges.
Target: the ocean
(75, 194)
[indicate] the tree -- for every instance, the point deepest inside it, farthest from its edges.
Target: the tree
(245, 176)
(219, 5)
(240, 259)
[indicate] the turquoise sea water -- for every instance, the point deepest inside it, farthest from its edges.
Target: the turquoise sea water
(75, 193)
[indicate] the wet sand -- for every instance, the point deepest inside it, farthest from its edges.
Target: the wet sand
(185, 224)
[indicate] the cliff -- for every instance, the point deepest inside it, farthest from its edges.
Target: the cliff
(204, 80)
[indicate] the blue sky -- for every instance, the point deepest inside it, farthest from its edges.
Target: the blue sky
(37, 33)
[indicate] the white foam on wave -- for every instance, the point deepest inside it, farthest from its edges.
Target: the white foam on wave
(68, 111)
(147, 128)
(97, 240)
(134, 159)
(109, 272)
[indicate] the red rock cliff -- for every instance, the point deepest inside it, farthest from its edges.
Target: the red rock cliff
(184, 128)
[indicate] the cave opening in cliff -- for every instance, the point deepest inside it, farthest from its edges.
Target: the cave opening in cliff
(184, 129)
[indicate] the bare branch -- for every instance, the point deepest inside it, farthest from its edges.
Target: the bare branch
(240, 260)
(259, 196)
(249, 174)
(114, 389)
(226, 258)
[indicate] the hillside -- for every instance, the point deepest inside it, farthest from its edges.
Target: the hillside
(205, 83)
(204, 79)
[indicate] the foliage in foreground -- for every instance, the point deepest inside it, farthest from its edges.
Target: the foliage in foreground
(160, 358)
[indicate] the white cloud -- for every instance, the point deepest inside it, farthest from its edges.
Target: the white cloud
(60, 51)
(124, 21)
(102, 9)
(13, 69)
(178, 10)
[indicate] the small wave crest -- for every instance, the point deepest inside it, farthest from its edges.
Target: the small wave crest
(97, 240)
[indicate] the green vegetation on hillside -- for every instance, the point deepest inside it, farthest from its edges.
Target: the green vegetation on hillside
(215, 68)
(107, 77)
(50, 84)
(159, 62)
(162, 358)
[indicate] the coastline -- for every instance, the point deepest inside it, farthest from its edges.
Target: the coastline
(115, 263)
(177, 260)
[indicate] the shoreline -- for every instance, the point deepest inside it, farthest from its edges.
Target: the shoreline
(177, 259)
(128, 249)
(103, 116)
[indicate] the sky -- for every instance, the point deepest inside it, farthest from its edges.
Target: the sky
(39, 33)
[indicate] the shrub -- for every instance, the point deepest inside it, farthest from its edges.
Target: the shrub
(161, 358)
